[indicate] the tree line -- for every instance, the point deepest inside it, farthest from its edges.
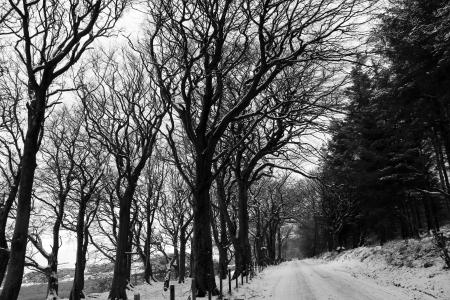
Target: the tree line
(384, 172)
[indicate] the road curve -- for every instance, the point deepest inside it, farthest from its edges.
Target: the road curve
(302, 280)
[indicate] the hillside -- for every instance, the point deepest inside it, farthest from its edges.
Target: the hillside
(412, 264)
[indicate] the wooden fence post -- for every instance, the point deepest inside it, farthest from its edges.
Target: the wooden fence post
(229, 281)
(172, 292)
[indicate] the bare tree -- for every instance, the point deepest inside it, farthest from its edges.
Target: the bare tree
(267, 206)
(222, 236)
(175, 218)
(90, 160)
(197, 46)
(11, 144)
(148, 196)
(48, 38)
(124, 114)
(59, 157)
(104, 233)
(287, 111)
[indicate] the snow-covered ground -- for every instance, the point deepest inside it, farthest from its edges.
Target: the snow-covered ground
(315, 279)
(413, 265)
(400, 270)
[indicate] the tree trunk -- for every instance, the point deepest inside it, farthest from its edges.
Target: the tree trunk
(222, 246)
(16, 263)
(426, 207)
(203, 270)
(279, 243)
(129, 255)
(244, 243)
(434, 212)
(121, 270)
(148, 272)
(191, 261)
(222, 239)
(440, 162)
(176, 254)
(76, 292)
(52, 287)
(182, 257)
(444, 129)
(4, 212)
(417, 214)
(271, 249)
(4, 251)
(259, 240)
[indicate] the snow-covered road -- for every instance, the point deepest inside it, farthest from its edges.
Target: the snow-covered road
(305, 280)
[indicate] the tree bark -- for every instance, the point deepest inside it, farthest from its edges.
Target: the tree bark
(76, 292)
(121, 270)
(16, 263)
(4, 212)
(203, 270)
(244, 244)
(279, 244)
(148, 272)
(220, 236)
(223, 254)
(53, 286)
(52, 289)
(182, 256)
(270, 237)
(426, 207)
(176, 254)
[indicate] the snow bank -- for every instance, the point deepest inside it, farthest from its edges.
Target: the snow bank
(412, 264)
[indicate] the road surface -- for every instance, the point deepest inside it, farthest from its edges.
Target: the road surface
(303, 280)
